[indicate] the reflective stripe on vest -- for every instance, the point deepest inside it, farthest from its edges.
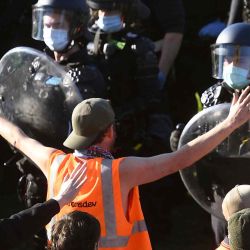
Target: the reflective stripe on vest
(112, 239)
(53, 171)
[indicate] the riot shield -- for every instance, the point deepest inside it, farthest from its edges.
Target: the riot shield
(37, 94)
(228, 165)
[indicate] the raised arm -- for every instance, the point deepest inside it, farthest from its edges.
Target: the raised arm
(33, 149)
(135, 170)
(23, 225)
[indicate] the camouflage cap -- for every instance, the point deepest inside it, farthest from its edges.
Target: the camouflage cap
(239, 230)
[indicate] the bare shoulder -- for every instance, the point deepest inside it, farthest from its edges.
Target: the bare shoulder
(141, 170)
(134, 171)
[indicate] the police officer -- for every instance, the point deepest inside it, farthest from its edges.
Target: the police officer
(129, 64)
(165, 27)
(61, 24)
(230, 49)
(231, 66)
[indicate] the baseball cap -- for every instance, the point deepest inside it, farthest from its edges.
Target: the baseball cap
(239, 230)
(235, 200)
(89, 118)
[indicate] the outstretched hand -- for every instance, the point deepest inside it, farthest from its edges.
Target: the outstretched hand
(240, 108)
(71, 185)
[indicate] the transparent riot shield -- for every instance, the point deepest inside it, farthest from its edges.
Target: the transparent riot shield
(209, 179)
(37, 95)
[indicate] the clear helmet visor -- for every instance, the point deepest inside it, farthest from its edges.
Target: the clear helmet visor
(228, 54)
(47, 17)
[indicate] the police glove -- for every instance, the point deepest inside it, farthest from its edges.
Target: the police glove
(175, 136)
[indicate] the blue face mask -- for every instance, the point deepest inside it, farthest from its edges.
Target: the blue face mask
(235, 77)
(55, 39)
(110, 24)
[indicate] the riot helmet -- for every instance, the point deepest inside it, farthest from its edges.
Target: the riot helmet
(231, 56)
(112, 15)
(59, 22)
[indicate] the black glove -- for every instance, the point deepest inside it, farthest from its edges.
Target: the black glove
(175, 136)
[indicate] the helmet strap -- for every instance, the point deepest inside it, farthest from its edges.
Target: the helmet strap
(97, 41)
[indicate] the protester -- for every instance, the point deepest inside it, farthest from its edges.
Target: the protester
(239, 229)
(76, 231)
(21, 226)
(236, 199)
(111, 194)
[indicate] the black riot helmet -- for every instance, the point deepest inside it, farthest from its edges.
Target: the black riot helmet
(231, 55)
(108, 4)
(72, 15)
(130, 9)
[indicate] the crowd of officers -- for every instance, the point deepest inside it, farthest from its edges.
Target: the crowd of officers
(104, 46)
(124, 51)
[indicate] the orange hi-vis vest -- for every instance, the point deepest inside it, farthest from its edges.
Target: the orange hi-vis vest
(101, 197)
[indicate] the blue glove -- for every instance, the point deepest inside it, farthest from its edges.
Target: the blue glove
(161, 79)
(212, 29)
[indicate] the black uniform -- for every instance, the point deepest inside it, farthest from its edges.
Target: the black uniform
(166, 16)
(216, 94)
(130, 66)
(85, 74)
(21, 226)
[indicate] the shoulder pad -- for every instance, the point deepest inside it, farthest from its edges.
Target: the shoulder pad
(83, 73)
(214, 95)
(210, 96)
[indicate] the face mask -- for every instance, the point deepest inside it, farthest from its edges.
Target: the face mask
(55, 39)
(235, 77)
(110, 24)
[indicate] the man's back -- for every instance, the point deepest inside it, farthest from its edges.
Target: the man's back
(120, 214)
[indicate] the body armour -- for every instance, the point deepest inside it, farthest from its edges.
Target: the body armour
(130, 66)
(85, 75)
(216, 94)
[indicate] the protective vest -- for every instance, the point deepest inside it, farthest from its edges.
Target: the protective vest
(101, 197)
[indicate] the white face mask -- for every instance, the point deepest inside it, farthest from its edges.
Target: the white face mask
(110, 24)
(55, 39)
(235, 77)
